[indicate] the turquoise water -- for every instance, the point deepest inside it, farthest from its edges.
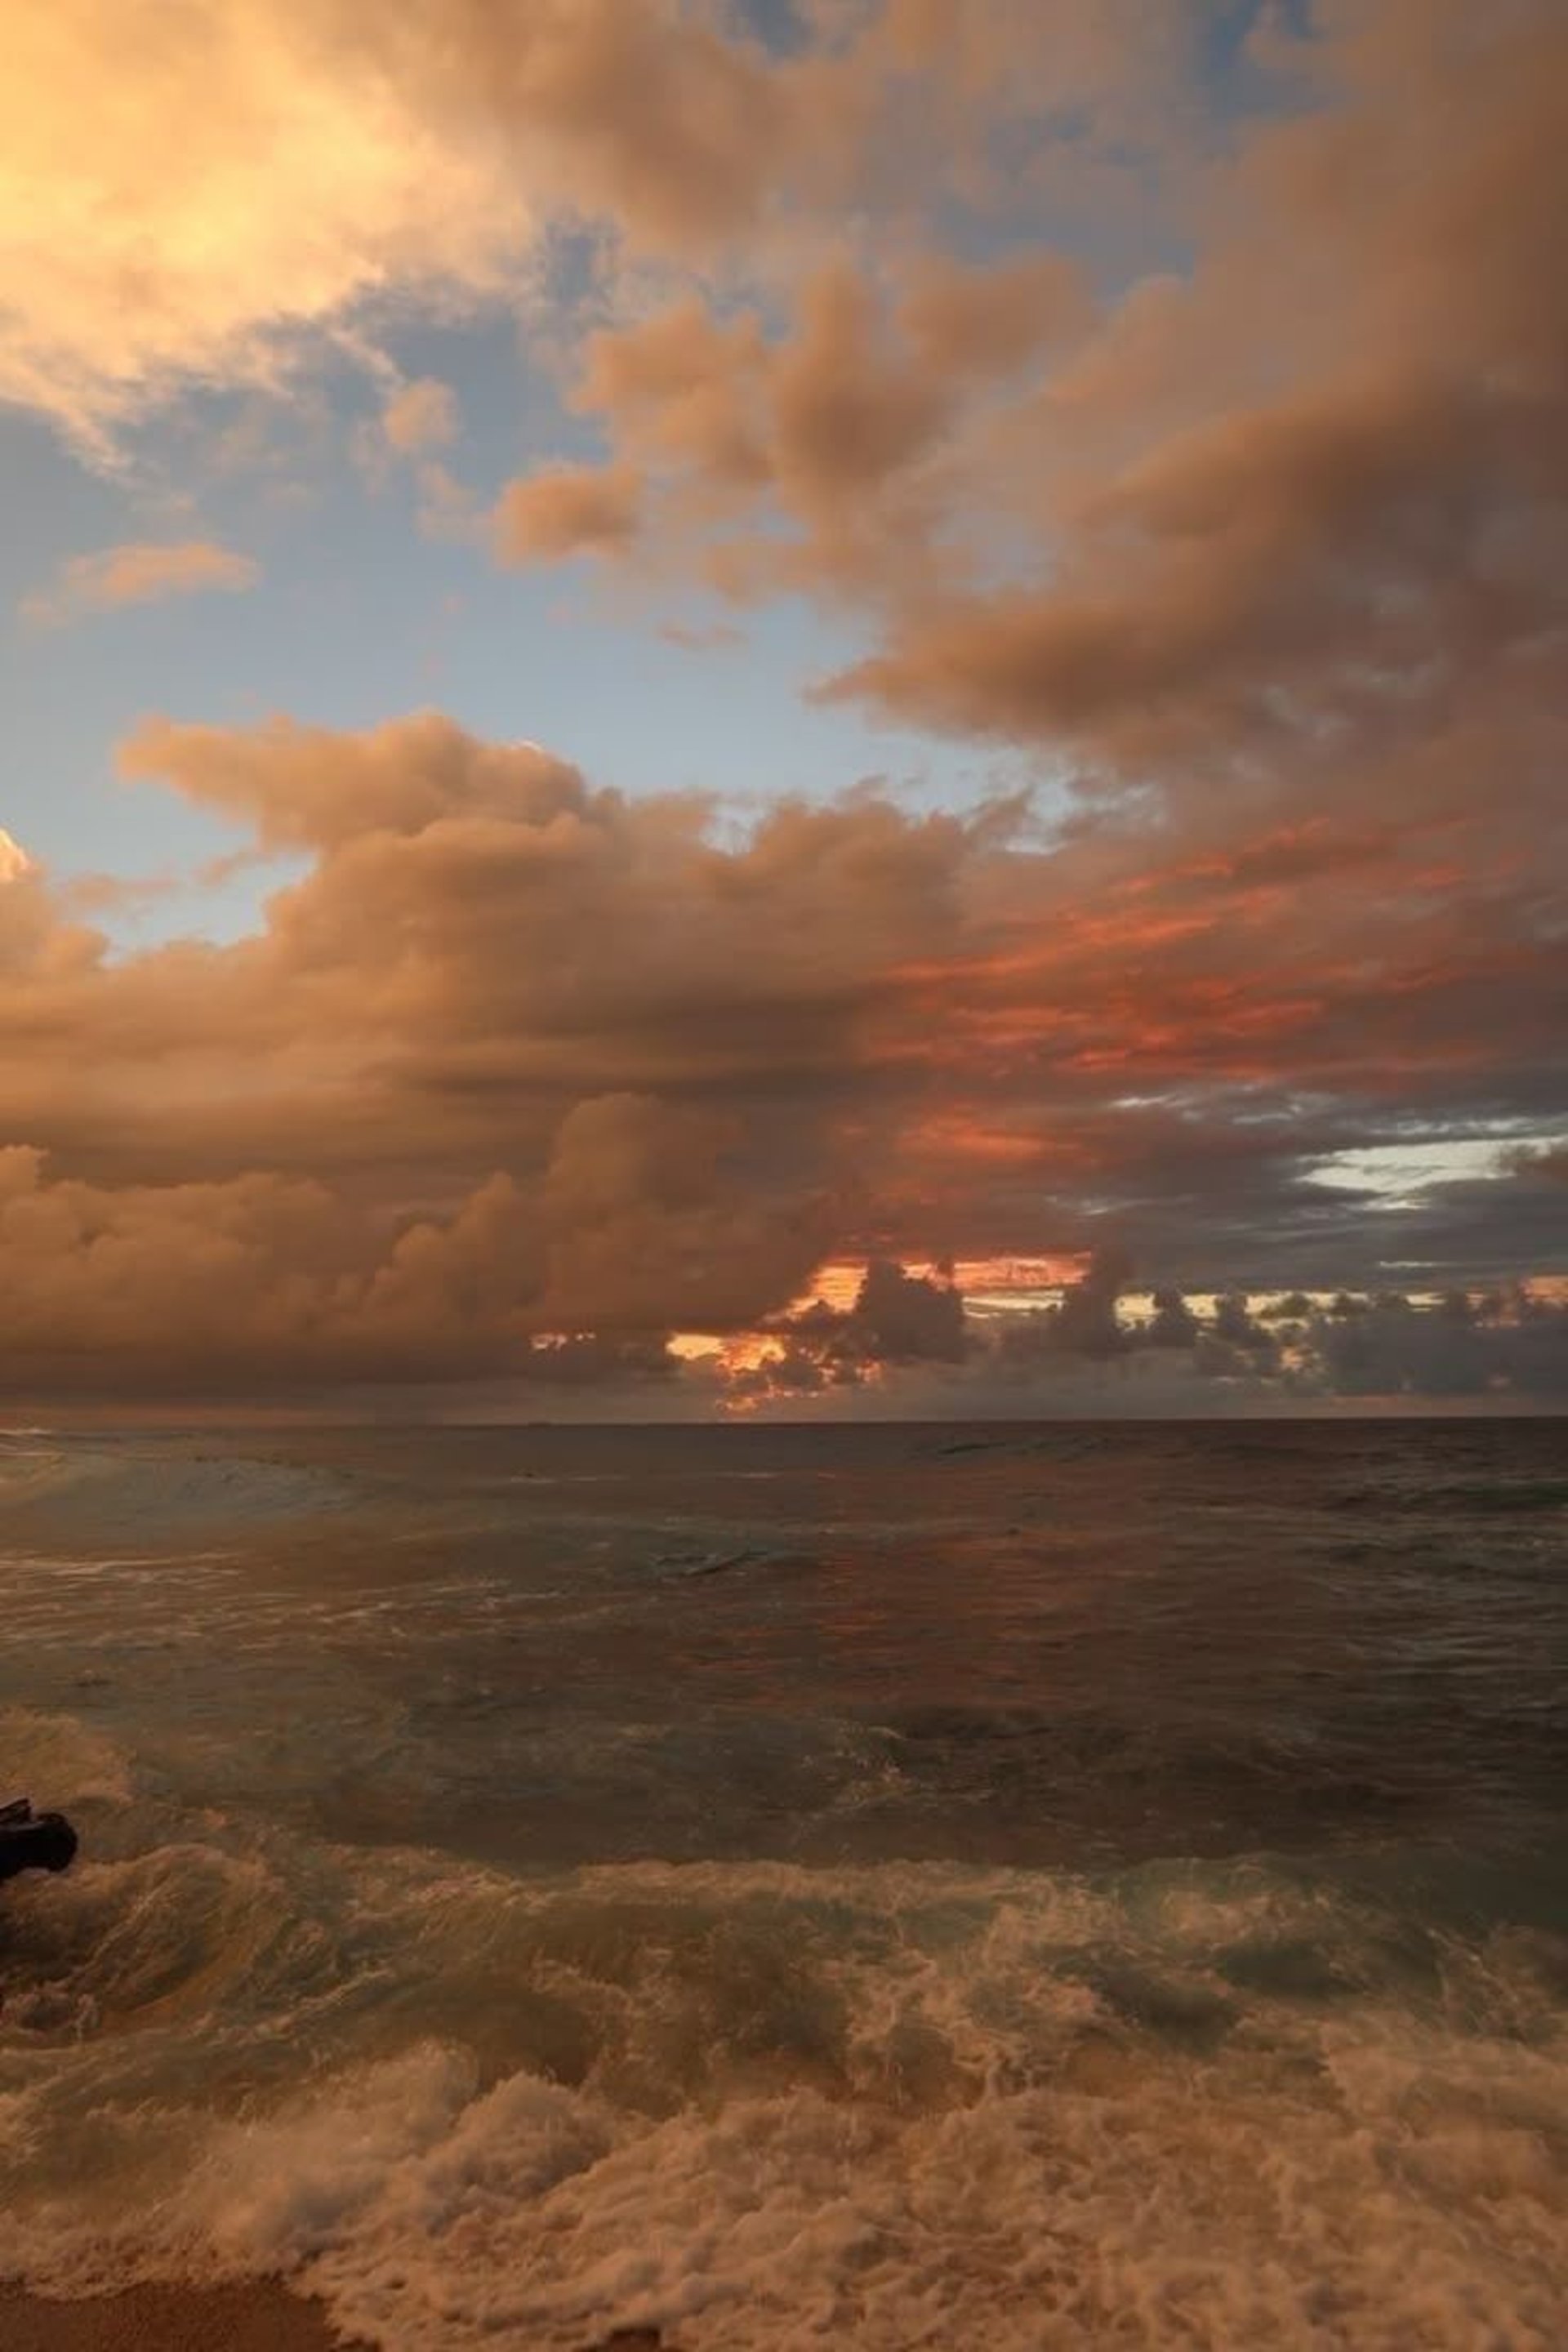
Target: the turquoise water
(895, 1886)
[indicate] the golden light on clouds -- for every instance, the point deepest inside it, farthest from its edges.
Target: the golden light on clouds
(1164, 432)
(143, 573)
(184, 190)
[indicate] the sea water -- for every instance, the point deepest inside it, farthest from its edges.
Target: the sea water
(1006, 1887)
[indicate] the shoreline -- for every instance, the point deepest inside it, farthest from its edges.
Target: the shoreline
(260, 2315)
(257, 2317)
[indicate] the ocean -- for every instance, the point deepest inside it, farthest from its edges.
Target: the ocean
(1008, 1887)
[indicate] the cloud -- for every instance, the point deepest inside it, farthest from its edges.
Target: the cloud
(261, 1280)
(896, 1318)
(513, 1056)
(1082, 1356)
(987, 320)
(969, 322)
(423, 414)
(660, 1218)
(139, 573)
(1513, 1345)
(268, 174)
(246, 180)
(817, 453)
(274, 179)
(707, 638)
(245, 1281)
(1296, 537)
(1546, 1166)
(417, 419)
(569, 511)
(1273, 513)
(634, 1037)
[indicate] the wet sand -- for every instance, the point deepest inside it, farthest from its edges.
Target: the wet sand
(168, 2320)
(259, 2318)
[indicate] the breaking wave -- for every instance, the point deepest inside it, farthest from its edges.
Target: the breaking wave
(768, 2106)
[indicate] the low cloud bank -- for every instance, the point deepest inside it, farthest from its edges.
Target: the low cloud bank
(1096, 1350)
(512, 1057)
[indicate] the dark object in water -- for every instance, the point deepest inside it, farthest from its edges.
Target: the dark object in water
(30, 1840)
(634, 2339)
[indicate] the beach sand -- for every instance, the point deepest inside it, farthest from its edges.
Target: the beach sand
(261, 2318)
(168, 2320)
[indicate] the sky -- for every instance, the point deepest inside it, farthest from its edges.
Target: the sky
(669, 658)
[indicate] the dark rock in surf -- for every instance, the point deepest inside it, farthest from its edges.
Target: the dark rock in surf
(30, 1840)
(634, 2339)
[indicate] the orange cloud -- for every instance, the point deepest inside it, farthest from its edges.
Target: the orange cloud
(1262, 566)
(220, 180)
(514, 1056)
(421, 415)
(1268, 514)
(266, 175)
(140, 573)
(569, 511)
(699, 1068)
(256, 175)
(844, 427)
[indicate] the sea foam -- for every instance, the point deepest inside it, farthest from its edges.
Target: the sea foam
(767, 2108)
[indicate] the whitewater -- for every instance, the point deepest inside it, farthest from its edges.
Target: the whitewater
(1004, 1887)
